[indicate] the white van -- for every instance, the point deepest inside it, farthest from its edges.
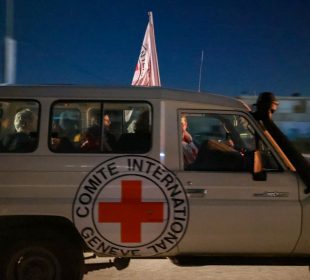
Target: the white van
(138, 173)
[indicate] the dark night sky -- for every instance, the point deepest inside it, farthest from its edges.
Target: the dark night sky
(249, 46)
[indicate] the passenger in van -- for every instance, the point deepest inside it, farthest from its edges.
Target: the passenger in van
(69, 128)
(59, 144)
(65, 134)
(24, 138)
(109, 143)
(140, 140)
(92, 141)
(190, 150)
(218, 156)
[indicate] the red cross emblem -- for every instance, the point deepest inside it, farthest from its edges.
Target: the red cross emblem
(131, 212)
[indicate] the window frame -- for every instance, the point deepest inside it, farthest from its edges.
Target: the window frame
(257, 130)
(102, 105)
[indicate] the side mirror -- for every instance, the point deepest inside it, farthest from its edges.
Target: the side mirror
(259, 174)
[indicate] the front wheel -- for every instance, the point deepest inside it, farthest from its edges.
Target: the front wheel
(43, 261)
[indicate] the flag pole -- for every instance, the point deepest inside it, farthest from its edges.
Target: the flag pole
(200, 71)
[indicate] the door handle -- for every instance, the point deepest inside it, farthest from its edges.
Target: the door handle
(272, 194)
(196, 192)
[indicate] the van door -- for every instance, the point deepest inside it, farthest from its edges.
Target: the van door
(230, 212)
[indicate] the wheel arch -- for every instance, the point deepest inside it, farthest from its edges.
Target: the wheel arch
(36, 225)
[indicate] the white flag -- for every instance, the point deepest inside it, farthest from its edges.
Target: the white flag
(147, 70)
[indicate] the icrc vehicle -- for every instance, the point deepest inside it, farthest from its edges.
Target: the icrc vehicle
(109, 172)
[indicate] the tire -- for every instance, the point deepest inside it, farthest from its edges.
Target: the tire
(32, 260)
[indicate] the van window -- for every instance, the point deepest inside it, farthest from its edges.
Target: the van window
(100, 127)
(18, 126)
(221, 142)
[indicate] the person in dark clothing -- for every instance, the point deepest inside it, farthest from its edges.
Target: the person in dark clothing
(23, 140)
(265, 107)
(217, 156)
(109, 143)
(92, 139)
(140, 140)
(95, 141)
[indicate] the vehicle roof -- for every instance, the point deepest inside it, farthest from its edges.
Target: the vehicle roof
(129, 93)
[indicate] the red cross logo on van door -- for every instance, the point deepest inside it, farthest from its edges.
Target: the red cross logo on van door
(131, 212)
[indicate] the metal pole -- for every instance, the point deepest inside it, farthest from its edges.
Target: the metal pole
(9, 18)
(9, 45)
(200, 71)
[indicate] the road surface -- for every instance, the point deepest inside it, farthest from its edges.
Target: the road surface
(163, 269)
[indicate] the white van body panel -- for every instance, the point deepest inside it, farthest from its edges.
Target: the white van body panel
(231, 214)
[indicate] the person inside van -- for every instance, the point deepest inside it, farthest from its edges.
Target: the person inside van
(91, 142)
(68, 126)
(93, 136)
(65, 134)
(109, 143)
(190, 150)
(24, 138)
(140, 140)
(218, 156)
